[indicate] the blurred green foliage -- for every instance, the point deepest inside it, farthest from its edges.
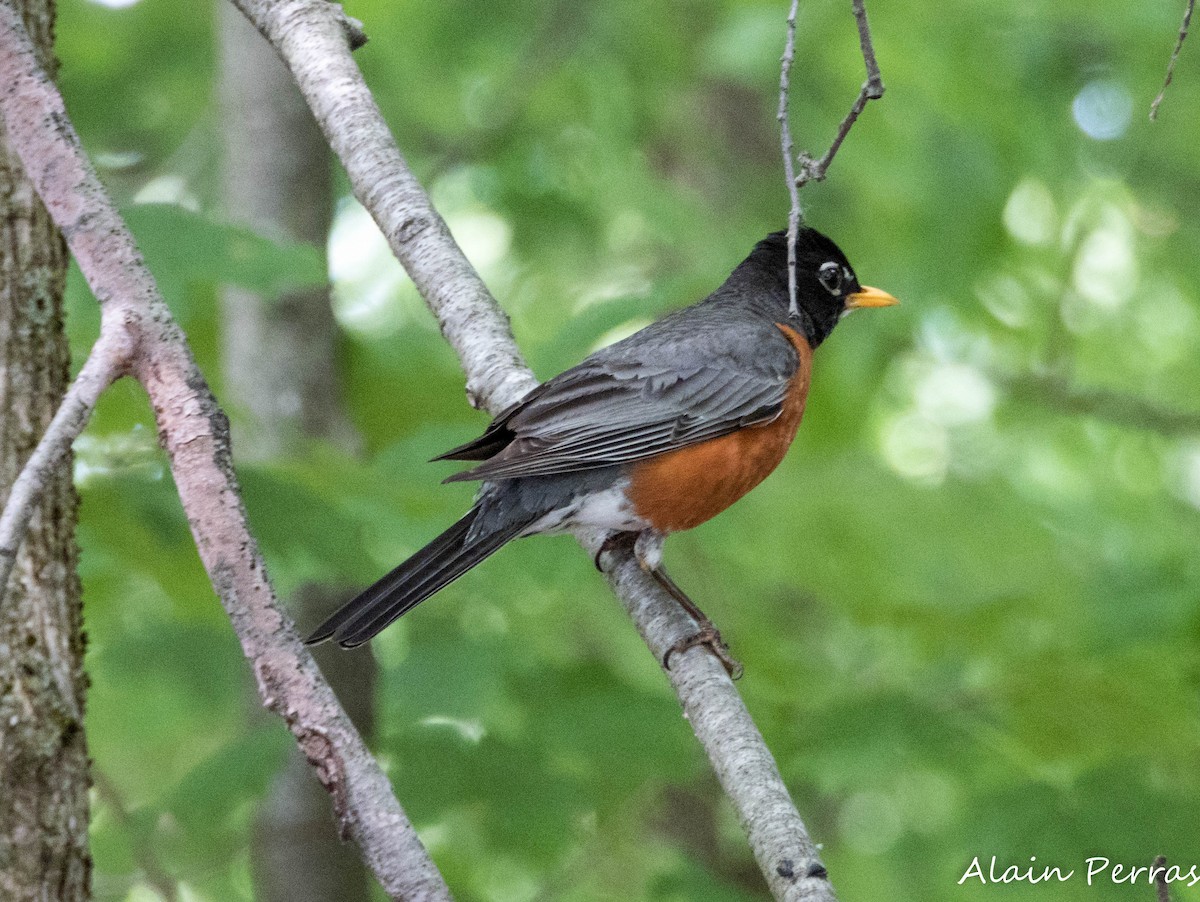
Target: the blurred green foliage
(968, 612)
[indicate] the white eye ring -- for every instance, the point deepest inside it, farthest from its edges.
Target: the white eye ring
(830, 276)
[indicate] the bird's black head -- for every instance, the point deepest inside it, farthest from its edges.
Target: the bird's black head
(826, 286)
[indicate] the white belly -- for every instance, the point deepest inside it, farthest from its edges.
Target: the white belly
(609, 509)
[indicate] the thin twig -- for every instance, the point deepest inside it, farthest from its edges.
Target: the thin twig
(812, 169)
(872, 89)
(308, 37)
(1160, 879)
(1183, 33)
(107, 361)
(789, 169)
(874, 79)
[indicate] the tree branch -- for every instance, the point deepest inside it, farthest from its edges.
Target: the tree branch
(745, 768)
(107, 361)
(813, 170)
(1124, 410)
(309, 36)
(1183, 33)
(872, 89)
(1162, 890)
(789, 150)
(194, 432)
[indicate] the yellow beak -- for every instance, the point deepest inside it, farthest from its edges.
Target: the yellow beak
(870, 297)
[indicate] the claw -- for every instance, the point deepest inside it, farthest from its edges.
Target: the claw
(710, 637)
(613, 542)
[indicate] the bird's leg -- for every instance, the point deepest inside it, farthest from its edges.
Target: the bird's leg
(648, 551)
(707, 635)
(614, 542)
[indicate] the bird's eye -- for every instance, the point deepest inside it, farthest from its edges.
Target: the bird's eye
(830, 276)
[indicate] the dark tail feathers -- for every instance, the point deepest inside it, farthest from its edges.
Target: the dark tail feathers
(432, 568)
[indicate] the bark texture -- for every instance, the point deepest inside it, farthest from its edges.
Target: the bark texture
(43, 752)
(194, 432)
(283, 387)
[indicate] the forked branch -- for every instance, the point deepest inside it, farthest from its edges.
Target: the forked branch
(813, 169)
(872, 89)
(108, 360)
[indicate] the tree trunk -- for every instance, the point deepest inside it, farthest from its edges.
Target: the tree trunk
(43, 752)
(279, 353)
(283, 389)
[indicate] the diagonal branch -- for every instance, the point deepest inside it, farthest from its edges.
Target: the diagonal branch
(107, 361)
(310, 35)
(1183, 33)
(194, 432)
(315, 38)
(872, 89)
(814, 170)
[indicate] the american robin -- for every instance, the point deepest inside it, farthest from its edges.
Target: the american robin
(651, 435)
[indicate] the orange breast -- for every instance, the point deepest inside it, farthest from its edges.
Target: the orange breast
(681, 489)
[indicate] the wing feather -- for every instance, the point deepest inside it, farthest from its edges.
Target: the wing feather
(637, 399)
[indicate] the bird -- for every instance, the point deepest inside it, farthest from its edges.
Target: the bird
(652, 435)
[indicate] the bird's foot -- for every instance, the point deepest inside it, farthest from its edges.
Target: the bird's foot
(616, 541)
(710, 637)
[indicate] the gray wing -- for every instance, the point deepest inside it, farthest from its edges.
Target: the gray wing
(664, 388)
